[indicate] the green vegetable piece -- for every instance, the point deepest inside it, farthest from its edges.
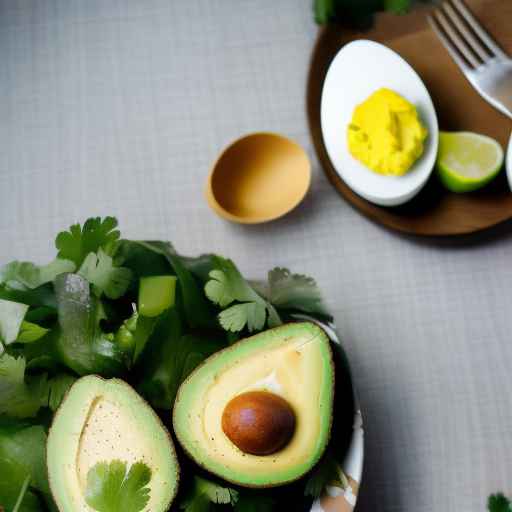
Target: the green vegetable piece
(81, 344)
(156, 294)
(55, 390)
(204, 492)
(11, 317)
(499, 503)
(21, 496)
(78, 242)
(32, 276)
(11, 490)
(111, 488)
(30, 332)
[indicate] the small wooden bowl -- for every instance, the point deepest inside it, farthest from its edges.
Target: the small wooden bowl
(258, 178)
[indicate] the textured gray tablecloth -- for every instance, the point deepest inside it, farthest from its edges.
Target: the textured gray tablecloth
(119, 107)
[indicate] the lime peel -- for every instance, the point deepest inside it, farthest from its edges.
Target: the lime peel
(467, 161)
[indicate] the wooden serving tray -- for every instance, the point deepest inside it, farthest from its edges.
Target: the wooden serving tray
(435, 211)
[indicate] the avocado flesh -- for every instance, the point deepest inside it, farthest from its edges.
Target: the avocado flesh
(293, 361)
(103, 420)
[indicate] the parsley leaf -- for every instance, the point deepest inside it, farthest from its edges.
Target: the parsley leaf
(78, 242)
(18, 398)
(227, 285)
(397, 6)
(499, 503)
(100, 271)
(292, 291)
(111, 488)
(32, 276)
(204, 492)
(326, 472)
(21, 495)
(11, 318)
(254, 501)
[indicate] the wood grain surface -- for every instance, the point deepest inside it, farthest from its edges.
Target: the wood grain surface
(435, 211)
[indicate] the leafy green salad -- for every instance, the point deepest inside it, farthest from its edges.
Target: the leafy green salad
(100, 308)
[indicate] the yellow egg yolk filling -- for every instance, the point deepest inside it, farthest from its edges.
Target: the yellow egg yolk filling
(386, 134)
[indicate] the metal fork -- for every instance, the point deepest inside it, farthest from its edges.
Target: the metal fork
(487, 67)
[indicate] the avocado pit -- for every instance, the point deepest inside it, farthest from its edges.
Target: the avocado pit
(259, 422)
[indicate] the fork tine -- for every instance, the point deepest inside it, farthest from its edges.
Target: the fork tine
(455, 38)
(471, 40)
(479, 30)
(452, 50)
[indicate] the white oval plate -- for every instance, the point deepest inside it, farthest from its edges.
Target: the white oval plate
(360, 68)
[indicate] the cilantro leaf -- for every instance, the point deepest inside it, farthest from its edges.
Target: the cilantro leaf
(397, 6)
(254, 501)
(355, 12)
(78, 242)
(499, 503)
(55, 389)
(326, 472)
(204, 492)
(292, 291)
(111, 488)
(21, 496)
(11, 318)
(32, 276)
(106, 278)
(30, 332)
(227, 285)
(17, 397)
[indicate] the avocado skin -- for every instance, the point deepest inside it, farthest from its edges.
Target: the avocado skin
(53, 488)
(232, 349)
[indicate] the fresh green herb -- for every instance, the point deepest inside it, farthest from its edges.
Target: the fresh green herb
(78, 242)
(292, 292)
(30, 332)
(205, 492)
(17, 397)
(32, 276)
(11, 318)
(254, 501)
(105, 278)
(499, 503)
(358, 12)
(112, 488)
(327, 472)
(22, 455)
(21, 495)
(55, 389)
(227, 285)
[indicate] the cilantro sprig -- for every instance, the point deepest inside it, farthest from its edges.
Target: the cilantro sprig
(499, 503)
(112, 487)
(78, 242)
(204, 492)
(226, 286)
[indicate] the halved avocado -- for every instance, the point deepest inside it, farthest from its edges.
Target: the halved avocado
(259, 413)
(102, 421)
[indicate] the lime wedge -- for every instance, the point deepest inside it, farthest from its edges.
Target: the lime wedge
(467, 161)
